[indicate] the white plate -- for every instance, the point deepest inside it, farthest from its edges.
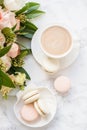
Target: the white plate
(47, 95)
(39, 55)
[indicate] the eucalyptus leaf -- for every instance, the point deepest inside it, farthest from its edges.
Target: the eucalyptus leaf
(5, 50)
(6, 81)
(34, 14)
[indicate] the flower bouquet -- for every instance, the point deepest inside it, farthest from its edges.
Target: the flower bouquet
(15, 22)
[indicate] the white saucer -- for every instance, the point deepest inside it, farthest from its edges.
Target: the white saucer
(39, 55)
(47, 95)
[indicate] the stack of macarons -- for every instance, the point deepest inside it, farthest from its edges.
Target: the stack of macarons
(34, 107)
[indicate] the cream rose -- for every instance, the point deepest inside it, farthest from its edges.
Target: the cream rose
(20, 78)
(14, 4)
(5, 63)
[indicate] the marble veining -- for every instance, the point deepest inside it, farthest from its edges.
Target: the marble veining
(72, 108)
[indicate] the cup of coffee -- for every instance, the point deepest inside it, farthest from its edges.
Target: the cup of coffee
(56, 41)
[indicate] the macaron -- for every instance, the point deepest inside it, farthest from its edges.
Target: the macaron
(50, 65)
(29, 113)
(41, 107)
(31, 97)
(62, 84)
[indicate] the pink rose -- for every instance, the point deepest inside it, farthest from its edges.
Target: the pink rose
(0, 15)
(18, 24)
(2, 39)
(7, 19)
(14, 51)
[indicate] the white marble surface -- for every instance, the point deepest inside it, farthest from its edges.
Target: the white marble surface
(72, 109)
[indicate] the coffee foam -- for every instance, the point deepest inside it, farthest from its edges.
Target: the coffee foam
(56, 40)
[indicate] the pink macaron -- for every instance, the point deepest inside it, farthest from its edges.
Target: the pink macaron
(62, 84)
(29, 113)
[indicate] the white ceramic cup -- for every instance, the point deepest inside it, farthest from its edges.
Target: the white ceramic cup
(59, 55)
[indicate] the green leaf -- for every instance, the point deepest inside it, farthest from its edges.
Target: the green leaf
(14, 27)
(1, 81)
(10, 36)
(22, 70)
(11, 71)
(26, 7)
(24, 53)
(0, 87)
(21, 44)
(22, 33)
(33, 6)
(30, 26)
(22, 87)
(5, 50)
(19, 69)
(20, 30)
(34, 14)
(28, 30)
(27, 34)
(22, 10)
(6, 81)
(2, 3)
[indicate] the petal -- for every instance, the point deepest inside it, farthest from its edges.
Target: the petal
(14, 51)
(14, 4)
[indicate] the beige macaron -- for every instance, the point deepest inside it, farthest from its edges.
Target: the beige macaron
(41, 107)
(50, 65)
(31, 96)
